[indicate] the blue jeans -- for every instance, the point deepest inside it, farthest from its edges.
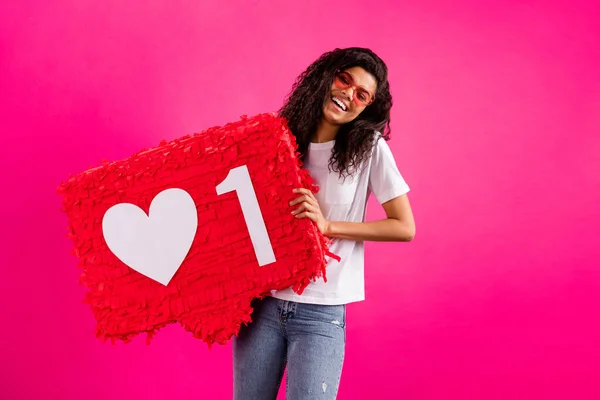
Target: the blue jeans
(309, 339)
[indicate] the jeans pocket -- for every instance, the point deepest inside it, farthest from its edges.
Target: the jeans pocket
(335, 315)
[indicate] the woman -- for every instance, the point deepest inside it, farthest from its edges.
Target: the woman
(338, 110)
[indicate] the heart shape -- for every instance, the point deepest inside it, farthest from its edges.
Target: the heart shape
(156, 244)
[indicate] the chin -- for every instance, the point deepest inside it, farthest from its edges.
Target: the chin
(336, 118)
(332, 118)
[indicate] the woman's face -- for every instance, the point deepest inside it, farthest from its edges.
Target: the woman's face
(352, 91)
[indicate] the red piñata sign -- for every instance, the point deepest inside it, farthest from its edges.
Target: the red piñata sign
(192, 230)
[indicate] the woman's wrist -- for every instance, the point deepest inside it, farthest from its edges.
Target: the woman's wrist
(328, 229)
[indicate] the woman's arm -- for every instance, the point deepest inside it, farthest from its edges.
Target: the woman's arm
(399, 226)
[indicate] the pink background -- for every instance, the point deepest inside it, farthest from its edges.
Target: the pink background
(495, 126)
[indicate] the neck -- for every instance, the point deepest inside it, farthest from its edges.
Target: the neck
(325, 132)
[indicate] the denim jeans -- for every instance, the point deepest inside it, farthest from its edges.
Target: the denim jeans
(309, 339)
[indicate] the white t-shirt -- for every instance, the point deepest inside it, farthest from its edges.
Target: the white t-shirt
(347, 201)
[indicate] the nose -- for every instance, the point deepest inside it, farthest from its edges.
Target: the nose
(349, 93)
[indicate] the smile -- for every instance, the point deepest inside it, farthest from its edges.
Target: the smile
(339, 103)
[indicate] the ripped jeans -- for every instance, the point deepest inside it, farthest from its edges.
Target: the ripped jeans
(309, 339)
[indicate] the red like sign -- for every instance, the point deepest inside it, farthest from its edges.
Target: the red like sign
(227, 189)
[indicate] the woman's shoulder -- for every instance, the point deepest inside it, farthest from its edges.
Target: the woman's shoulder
(379, 143)
(381, 153)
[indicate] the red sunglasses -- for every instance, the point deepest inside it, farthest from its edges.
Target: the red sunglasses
(361, 97)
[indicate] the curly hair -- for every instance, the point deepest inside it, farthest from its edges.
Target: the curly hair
(303, 108)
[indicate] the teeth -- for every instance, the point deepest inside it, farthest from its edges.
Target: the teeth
(339, 103)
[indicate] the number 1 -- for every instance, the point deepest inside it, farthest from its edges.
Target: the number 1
(238, 180)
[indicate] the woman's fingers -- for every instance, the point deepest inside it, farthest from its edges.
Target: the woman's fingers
(305, 206)
(305, 192)
(309, 198)
(309, 206)
(299, 200)
(307, 214)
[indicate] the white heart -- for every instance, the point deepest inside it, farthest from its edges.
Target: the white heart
(156, 244)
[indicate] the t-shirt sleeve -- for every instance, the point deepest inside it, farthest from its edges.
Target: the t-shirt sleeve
(385, 180)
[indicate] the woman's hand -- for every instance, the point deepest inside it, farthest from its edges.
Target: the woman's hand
(309, 208)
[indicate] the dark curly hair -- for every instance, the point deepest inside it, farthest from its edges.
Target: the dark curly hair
(303, 108)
